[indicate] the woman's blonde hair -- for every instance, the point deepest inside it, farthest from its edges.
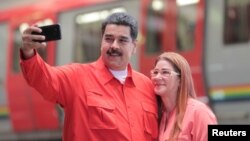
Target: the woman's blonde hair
(185, 90)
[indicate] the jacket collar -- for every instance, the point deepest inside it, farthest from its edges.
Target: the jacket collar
(107, 76)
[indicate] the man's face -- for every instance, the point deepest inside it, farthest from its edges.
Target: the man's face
(117, 46)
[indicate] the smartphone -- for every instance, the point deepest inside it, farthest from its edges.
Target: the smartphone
(51, 33)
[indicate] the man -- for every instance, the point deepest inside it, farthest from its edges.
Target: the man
(105, 100)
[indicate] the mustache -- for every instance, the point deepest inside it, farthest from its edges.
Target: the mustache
(113, 51)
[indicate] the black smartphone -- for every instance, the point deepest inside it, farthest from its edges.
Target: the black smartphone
(51, 33)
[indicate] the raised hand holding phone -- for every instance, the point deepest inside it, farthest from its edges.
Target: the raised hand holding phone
(51, 33)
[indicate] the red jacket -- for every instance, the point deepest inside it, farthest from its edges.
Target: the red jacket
(97, 106)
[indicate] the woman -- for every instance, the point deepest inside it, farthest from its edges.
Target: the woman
(182, 117)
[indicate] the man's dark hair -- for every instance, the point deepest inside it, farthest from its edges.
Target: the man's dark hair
(122, 19)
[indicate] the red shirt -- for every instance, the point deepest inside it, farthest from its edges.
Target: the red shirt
(97, 106)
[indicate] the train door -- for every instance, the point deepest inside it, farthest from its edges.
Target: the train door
(28, 110)
(227, 58)
(174, 25)
(5, 123)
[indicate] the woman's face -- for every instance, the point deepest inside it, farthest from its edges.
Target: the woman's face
(165, 79)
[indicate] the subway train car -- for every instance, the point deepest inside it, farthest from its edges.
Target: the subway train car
(212, 35)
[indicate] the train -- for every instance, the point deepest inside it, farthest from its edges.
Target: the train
(214, 36)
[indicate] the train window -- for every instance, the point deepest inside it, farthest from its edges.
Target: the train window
(237, 21)
(17, 43)
(88, 38)
(186, 18)
(155, 26)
